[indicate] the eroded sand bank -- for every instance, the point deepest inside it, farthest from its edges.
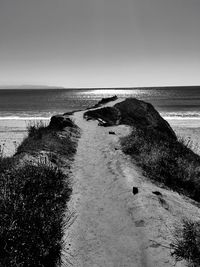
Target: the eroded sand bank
(109, 226)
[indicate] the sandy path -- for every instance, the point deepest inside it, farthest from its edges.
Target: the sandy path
(111, 227)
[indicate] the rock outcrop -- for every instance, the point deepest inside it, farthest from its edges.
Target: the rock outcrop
(105, 100)
(58, 122)
(132, 112)
(106, 116)
(144, 115)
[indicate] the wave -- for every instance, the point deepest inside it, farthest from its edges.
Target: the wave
(24, 118)
(181, 115)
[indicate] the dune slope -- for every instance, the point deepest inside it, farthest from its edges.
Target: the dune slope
(109, 225)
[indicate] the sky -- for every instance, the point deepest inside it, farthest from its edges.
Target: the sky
(100, 43)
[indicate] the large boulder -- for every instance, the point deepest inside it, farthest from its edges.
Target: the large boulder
(106, 116)
(58, 122)
(132, 112)
(104, 101)
(144, 115)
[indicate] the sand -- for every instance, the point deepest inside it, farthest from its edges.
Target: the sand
(108, 225)
(188, 130)
(12, 133)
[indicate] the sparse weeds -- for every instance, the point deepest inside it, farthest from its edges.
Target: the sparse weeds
(186, 243)
(41, 137)
(36, 129)
(165, 160)
(2, 146)
(188, 142)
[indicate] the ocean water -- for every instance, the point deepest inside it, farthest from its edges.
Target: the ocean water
(18, 108)
(178, 102)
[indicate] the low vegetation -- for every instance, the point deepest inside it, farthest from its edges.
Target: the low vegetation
(186, 243)
(165, 160)
(33, 198)
(32, 203)
(41, 137)
(171, 163)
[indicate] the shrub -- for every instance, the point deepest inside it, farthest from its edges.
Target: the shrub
(36, 129)
(186, 243)
(41, 137)
(32, 202)
(165, 160)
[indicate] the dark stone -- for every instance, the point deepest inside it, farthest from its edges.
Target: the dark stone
(105, 101)
(111, 132)
(135, 190)
(132, 112)
(107, 116)
(157, 193)
(141, 114)
(58, 122)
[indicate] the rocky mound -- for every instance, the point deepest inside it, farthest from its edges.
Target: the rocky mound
(58, 122)
(132, 112)
(106, 116)
(142, 114)
(105, 100)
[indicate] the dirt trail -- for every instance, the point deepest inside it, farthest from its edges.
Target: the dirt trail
(110, 226)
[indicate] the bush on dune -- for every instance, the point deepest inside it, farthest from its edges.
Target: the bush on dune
(171, 163)
(42, 137)
(36, 129)
(33, 198)
(186, 243)
(165, 160)
(32, 202)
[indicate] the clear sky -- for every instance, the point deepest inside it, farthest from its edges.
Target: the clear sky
(100, 43)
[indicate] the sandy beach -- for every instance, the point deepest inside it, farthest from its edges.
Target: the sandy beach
(12, 133)
(189, 130)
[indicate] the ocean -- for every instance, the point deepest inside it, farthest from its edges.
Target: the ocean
(177, 102)
(180, 106)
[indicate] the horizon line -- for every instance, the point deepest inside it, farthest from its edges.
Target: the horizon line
(18, 87)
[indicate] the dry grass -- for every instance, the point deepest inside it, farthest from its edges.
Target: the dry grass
(165, 160)
(33, 198)
(186, 243)
(32, 202)
(41, 137)
(171, 163)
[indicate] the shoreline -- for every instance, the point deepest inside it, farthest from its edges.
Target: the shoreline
(102, 179)
(14, 130)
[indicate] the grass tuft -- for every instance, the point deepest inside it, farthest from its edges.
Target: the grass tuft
(186, 243)
(32, 202)
(36, 129)
(165, 160)
(41, 137)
